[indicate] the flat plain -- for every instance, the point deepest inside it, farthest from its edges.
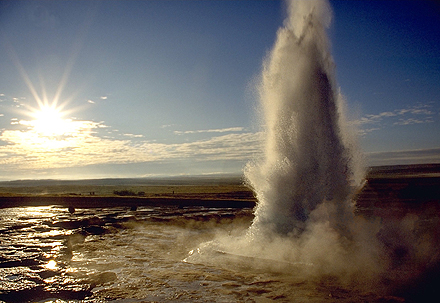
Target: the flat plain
(386, 187)
(404, 201)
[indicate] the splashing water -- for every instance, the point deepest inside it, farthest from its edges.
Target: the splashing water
(309, 159)
(310, 166)
(304, 225)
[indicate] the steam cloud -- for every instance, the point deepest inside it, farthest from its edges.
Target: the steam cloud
(308, 158)
(310, 169)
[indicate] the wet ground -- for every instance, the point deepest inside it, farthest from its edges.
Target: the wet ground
(138, 255)
(103, 254)
(143, 254)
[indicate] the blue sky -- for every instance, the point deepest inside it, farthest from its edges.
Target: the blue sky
(144, 88)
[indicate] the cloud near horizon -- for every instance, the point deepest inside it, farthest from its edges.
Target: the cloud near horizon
(27, 150)
(416, 156)
(23, 149)
(220, 130)
(417, 114)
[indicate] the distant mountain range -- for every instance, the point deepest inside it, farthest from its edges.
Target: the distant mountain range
(407, 170)
(215, 179)
(220, 179)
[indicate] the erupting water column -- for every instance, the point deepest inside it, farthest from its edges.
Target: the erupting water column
(308, 164)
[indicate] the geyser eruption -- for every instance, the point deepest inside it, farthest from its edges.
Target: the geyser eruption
(309, 161)
(304, 225)
(309, 167)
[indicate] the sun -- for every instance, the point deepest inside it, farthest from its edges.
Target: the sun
(48, 125)
(51, 265)
(50, 128)
(50, 122)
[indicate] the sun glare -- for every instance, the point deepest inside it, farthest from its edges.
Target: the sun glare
(49, 128)
(51, 265)
(49, 122)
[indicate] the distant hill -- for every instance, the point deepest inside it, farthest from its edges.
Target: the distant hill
(396, 171)
(215, 179)
(221, 179)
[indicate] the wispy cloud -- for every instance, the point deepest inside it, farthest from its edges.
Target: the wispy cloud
(24, 150)
(413, 121)
(417, 156)
(418, 114)
(166, 125)
(133, 136)
(227, 147)
(31, 141)
(219, 130)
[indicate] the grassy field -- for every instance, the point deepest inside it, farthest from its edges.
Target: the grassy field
(385, 185)
(237, 191)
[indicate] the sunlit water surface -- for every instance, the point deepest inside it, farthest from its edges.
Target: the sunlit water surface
(144, 255)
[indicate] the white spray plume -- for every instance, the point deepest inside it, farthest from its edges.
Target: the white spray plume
(305, 180)
(308, 173)
(308, 158)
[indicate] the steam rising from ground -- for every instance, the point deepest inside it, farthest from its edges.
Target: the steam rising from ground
(308, 160)
(310, 169)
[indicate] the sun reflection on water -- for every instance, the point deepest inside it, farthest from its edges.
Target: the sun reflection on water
(52, 265)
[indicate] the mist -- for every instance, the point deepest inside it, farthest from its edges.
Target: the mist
(309, 173)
